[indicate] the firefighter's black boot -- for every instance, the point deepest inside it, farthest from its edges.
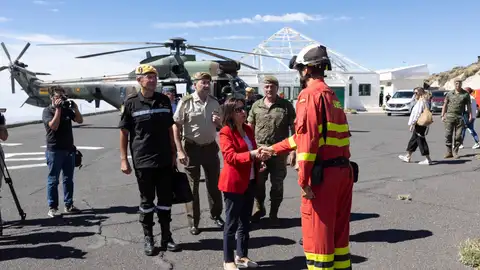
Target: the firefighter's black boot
(146, 219)
(149, 246)
(167, 242)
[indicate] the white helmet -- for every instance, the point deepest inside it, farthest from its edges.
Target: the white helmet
(311, 55)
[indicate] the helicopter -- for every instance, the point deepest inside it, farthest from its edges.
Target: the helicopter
(174, 69)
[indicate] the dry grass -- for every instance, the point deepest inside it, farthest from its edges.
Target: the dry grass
(444, 77)
(470, 253)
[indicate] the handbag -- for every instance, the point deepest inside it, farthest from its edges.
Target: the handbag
(425, 118)
(181, 188)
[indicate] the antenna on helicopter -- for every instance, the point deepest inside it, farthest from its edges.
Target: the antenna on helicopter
(17, 65)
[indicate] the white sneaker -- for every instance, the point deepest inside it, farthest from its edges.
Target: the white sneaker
(53, 213)
(461, 146)
(425, 162)
(476, 146)
(404, 158)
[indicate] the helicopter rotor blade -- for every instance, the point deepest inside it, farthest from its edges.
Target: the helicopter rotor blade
(103, 43)
(221, 57)
(3, 68)
(6, 52)
(12, 81)
(23, 51)
(42, 73)
(119, 51)
(237, 51)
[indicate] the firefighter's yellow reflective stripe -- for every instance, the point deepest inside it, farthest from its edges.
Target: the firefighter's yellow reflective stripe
(320, 261)
(291, 142)
(342, 258)
(342, 265)
(334, 127)
(335, 142)
(306, 156)
(342, 251)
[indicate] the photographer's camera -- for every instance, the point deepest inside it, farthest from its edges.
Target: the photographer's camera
(66, 104)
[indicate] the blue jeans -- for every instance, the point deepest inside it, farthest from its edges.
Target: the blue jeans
(471, 129)
(60, 160)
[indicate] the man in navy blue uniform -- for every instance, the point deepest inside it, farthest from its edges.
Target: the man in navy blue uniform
(147, 119)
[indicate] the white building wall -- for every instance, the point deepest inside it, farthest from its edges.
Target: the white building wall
(357, 102)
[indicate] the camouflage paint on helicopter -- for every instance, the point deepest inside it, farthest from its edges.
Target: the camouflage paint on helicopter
(175, 68)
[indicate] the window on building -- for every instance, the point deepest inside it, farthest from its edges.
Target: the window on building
(350, 89)
(364, 89)
(286, 92)
(296, 91)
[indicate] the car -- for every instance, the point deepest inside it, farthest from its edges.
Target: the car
(401, 102)
(438, 97)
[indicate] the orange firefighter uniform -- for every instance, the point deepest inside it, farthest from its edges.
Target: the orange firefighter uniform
(326, 218)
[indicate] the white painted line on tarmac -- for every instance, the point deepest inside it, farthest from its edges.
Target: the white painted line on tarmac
(24, 159)
(10, 144)
(86, 147)
(27, 166)
(9, 155)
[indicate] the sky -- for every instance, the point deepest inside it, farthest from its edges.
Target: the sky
(375, 34)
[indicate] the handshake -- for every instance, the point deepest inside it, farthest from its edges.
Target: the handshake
(263, 153)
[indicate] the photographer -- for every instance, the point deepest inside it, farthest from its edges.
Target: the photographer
(3, 137)
(60, 151)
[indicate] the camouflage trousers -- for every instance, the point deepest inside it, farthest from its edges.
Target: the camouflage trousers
(454, 125)
(277, 169)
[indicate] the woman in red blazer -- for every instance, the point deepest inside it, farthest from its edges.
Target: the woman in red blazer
(237, 182)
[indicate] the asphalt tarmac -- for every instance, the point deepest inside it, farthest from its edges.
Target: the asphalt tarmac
(386, 233)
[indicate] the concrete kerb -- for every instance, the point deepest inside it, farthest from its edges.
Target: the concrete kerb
(40, 121)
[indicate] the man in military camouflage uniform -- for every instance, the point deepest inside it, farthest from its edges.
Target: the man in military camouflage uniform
(456, 102)
(272, 118)
(197, 119)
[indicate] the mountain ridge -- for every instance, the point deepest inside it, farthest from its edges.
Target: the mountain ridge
(470, 75)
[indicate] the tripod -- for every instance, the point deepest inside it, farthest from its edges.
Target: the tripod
(6, 174)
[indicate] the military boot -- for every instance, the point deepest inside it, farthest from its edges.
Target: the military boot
(449, 153)
(149, 246)
(455, 152)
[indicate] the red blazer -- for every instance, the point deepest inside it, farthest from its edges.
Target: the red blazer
(237, 163)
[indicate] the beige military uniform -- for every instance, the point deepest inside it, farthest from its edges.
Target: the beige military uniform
(201, 148)
(196, 118)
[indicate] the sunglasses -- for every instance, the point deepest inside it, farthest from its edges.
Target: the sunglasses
(239, 109)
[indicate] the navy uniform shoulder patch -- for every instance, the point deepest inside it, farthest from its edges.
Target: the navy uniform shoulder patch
(132, 95)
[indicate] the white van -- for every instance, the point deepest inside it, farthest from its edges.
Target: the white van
(401, 102)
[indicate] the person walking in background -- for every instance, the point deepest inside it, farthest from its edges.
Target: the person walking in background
(453, 111)
(170, 92)
(470, 125)
(237, 182)
(418, 132)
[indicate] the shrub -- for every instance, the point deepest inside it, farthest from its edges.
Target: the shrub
(470, 253)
